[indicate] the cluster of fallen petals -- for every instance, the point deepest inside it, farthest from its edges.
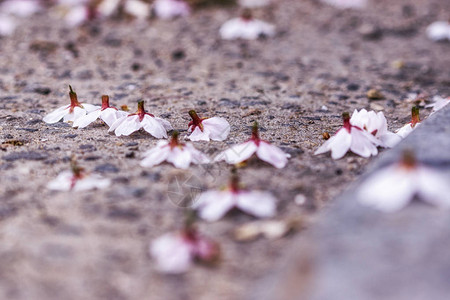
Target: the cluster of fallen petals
(365, 131)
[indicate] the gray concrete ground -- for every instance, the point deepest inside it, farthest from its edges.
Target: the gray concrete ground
(94, 245)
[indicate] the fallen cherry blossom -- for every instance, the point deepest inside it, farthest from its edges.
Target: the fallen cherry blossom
(107, 113)
(175, 252)
(375, 123)
(344, 4)
(393, 187)
(351, 138)
(204, 129)
(213, 205)
(78, 180)
(168, 9)
(438, 31)
(438, 103)
(71, 112)
(246, 27)
(409, 127)
(263, 150)
(181, 155)
(126, 125)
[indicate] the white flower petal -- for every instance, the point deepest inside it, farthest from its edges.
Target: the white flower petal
(57, 114)
(388, 190)
(390, 139)
(254, 3)
(197, 156)
(199, 135)
(111, 115)
(338, 144)
(257, 203)
(7, 25)
(363, 143)
(218, 128)
(167, 9)
(239, 28)
(180, 157)
(76, 16)
(77, 113)
(406, 130)
(213, 205)
(438, 31)
(20, 8)
(89, 107)
(156, 155)
(90, 182)
(238, 153)
(154, 126)
(272, 155)
(63, 182)
(172, 254)
(85, 120)
(137, 8)
(127, 126)
(433, 186)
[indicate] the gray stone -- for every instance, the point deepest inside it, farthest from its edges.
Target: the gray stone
(355, 252)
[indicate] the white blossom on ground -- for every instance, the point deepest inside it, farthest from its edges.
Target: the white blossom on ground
(344, 4)
(168, 9)
(409, 127)
(351, 138)
(175, 252)
(71, 112)
(107, 113)
(393, 187)
(78, 180)
(137, 8)
(254, 3)
(438, 31)
(438, 103)
(204, 129)
(263, 150)
(181, 155)
(375, 123)
(126, 125)
(213, 205)
(246, 27)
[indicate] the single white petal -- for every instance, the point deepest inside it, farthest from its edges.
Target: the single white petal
(164, 123)
(218, 128)
(257, 203)
(77, 113)
(90, 182)
(199, 135)
(110, 115)
(167, 9)
(76, 16)
(389, 139)
(85, 120)
(107, 7)
(63, 182)
(388, 190)
(363, 143)
(245, 29)
(197, 156)
(433, 186)
(406, 130)
(156, 155)
(238, 153)
(89, 107)
(57, 114)
(127, 126)
(154, 127)
(438, 31)
(272, 155)
(117, 123)
(180, 157)
(7, 25)
(137, 8)
(344, 4)
(339, 144)
(213, 205)
(172, 254)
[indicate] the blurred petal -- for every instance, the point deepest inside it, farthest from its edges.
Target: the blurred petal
(213, 205)
(433, 186)
(63, 182)
(272, 154)
(171, 253)
(362, 143)
(238, 153)
(156, 155)
(218, 128)
(180, 158)
(257, 203)
(154, 127)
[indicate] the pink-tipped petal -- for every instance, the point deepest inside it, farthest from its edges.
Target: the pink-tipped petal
(213, 205)
(272, 155)
(257, 203)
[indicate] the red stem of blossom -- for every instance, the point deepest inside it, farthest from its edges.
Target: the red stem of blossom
(415, 116)
(255, 132)
(141, 111)
(105, 102)
(196, 120)
(174, 142)
(77, 172)
(73, 99)
(346, 119)
(247, 15)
